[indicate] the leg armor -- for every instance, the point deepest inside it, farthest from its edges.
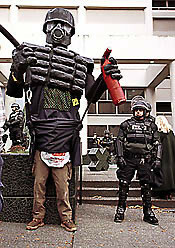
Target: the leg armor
(123, 193)
(149, 215)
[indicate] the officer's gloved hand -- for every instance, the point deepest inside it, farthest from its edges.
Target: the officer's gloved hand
(121, 162)
(28, 53)
(23, 56)
(112, 69)
(157, 165)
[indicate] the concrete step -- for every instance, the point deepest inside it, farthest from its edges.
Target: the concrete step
(131, 201)
(107, 192)
(108, 184)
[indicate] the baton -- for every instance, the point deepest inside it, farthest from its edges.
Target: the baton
(9, 36)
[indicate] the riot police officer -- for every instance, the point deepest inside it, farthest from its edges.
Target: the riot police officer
(136, 140)
(107, 140)
(15, 124)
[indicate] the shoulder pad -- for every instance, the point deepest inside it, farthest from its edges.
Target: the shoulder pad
(25, 44)
(124, 124)
(89, 62)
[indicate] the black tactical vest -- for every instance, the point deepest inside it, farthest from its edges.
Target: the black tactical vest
(138, 137)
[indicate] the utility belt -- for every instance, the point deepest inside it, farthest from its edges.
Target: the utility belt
(130, 155)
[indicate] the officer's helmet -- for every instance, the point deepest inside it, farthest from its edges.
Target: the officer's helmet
(59, 15)
(106, 133)
(15, 105)
(135, 99)
(141, 104)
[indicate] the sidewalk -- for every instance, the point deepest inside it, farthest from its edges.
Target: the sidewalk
(95, 228)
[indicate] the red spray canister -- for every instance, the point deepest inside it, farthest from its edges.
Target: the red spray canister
(113, 85)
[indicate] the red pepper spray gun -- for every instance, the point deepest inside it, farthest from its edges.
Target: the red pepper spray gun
(113, 85)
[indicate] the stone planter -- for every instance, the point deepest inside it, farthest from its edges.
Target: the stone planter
(18, 191)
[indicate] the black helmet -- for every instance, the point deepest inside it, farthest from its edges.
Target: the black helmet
(141, 104)
(106, 131)
(135, 99)
(60, 14)
(15, 105)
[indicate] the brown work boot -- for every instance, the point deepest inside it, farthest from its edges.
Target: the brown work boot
(34, 224)
(69, 225)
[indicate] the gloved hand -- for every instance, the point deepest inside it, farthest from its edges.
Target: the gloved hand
(121, 162)
(22, 56)
(112, 69)
(157, 165)
(28, 53)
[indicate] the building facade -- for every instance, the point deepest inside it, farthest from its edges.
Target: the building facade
(141, 34)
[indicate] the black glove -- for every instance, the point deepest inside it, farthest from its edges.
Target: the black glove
(112, 69)
(28, 53)
(121, 162)
(4, 138)
(157, 165)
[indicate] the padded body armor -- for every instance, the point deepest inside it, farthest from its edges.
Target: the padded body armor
(54, 67)
(138, 137)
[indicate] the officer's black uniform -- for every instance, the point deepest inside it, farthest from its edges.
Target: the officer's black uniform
(16, 123)
(136, 140)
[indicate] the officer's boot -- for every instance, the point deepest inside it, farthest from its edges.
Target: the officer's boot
(123, 193)
(149, 215)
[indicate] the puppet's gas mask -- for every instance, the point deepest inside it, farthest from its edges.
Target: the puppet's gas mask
(59, 27)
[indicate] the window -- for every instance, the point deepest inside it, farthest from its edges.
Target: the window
(163, 3)
(103, 106)
(92, 109)
(164, 27)
(125, 108)
(106, 106)
(163, 107)
(114, 130)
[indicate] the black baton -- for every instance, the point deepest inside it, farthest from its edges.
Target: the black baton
(9, 36)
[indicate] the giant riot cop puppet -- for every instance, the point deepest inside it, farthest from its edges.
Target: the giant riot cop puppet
(54, 83)
(136, 143)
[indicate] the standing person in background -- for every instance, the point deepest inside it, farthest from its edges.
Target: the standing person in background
(15, 124)
(2, 120)
(167, 139)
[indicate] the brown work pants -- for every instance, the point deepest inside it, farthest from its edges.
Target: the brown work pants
(60, 177)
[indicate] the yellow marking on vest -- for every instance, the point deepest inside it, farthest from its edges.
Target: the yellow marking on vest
(14, 79)
(75, 102)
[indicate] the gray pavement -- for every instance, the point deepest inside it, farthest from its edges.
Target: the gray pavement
(95, 228)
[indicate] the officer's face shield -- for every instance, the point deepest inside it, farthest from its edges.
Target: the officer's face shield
(14, 109)
(58, 33)
(139, 112)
